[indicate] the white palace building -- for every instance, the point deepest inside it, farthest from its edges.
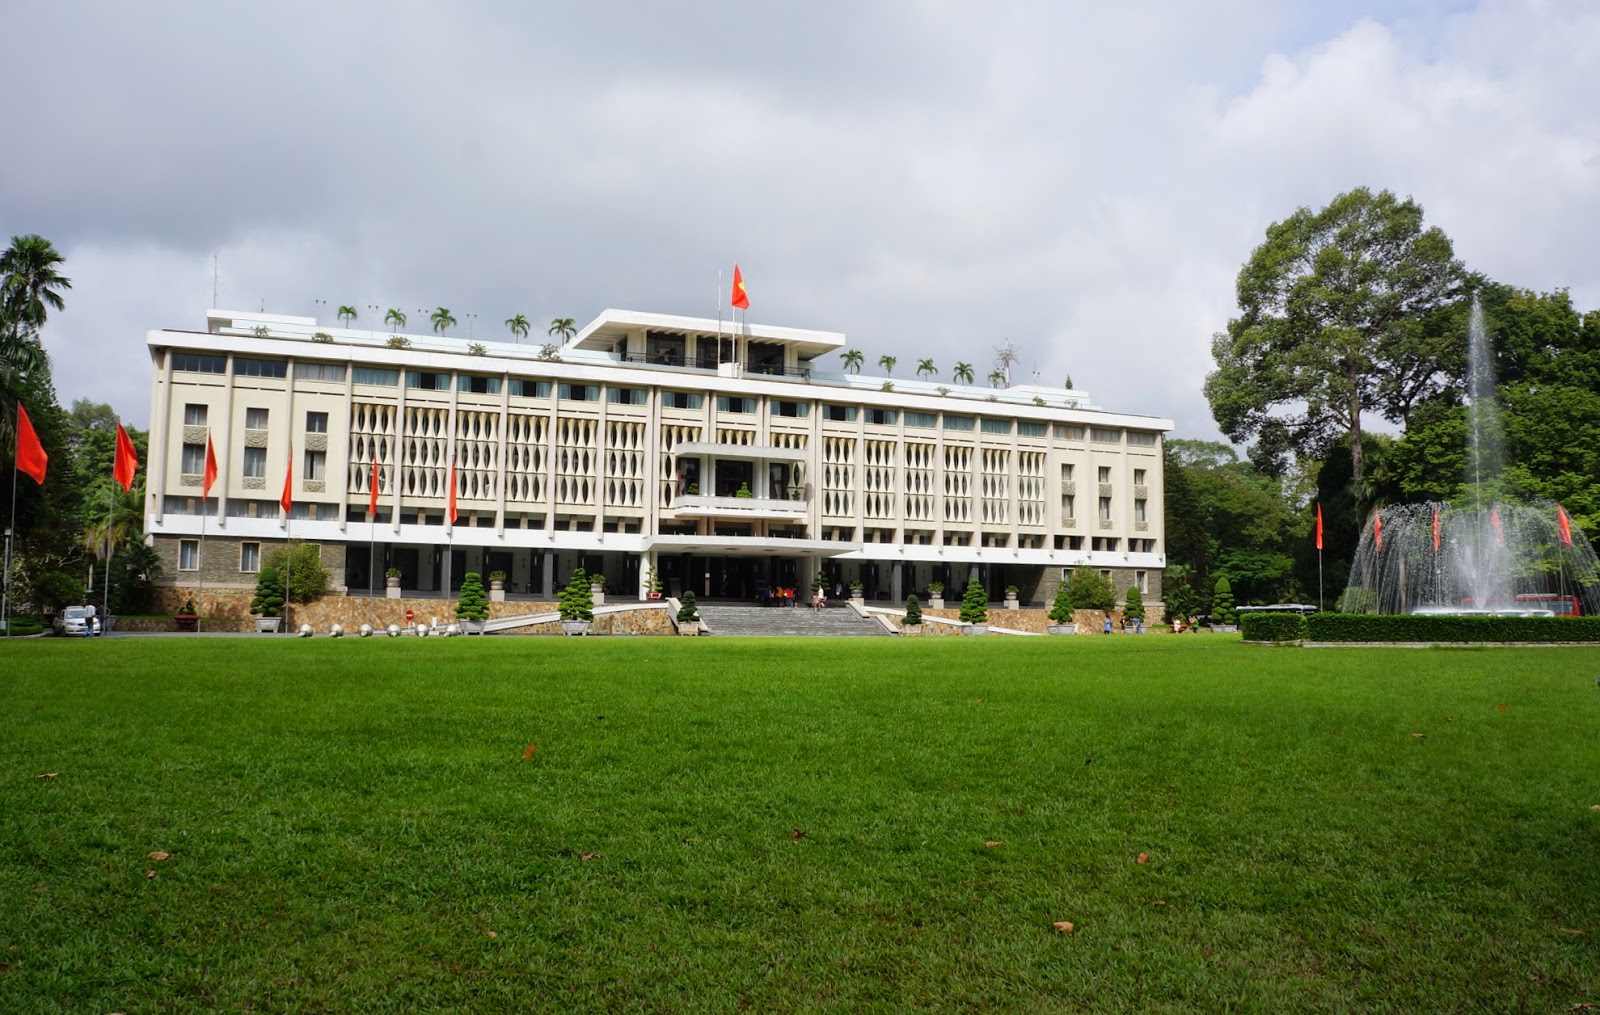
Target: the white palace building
(728, 462)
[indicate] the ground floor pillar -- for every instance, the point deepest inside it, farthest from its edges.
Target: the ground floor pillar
(547, 578)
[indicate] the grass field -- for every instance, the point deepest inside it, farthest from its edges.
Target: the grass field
(353, 826)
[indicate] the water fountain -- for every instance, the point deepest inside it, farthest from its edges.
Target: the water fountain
(1483, 555)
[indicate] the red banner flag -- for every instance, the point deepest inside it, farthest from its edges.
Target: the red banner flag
(372, 492)
(741, 299)
(287, 500)
(1563, 526)
(1319, 525)
(211, 470)
(1435, 530)
(127, 461)
(1377, 530)
(453, 513)
(31, 458)
(1499, 531)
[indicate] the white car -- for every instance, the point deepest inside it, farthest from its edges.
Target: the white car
(71, 621)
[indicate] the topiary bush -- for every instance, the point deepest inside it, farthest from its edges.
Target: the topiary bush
(268, 601)
(913, 612)
(306, 578)
(1133, 609)
(1273, 627)
(1222, 611)
(576, 601)
(688, 612)
(974, 604)
(1349, 627)
(1061, 611)
(1091, 590)
(472, 602)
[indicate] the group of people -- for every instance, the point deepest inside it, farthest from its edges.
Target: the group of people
(777, 595)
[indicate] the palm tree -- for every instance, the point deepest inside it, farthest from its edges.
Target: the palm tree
(852, 360)
(518, 326)
(962, 374)
(395, 318)
(442, 319)
(29, 284)
(562, 326)
(887, 362)
(346, 314)
(926, 368)
(997, 377)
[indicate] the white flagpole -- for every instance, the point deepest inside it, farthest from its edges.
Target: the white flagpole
(719, 316)
(111, 548)
(5, 593)
(199, 608)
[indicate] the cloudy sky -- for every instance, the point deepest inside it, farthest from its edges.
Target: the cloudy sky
(1083, 179)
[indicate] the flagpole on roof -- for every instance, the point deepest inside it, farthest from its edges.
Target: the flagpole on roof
(719, 317)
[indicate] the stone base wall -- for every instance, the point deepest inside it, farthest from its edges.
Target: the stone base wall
(219, 565)
(1088, 621)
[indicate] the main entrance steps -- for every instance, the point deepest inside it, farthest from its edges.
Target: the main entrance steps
(787, 622)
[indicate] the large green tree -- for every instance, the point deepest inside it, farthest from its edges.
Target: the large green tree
(1339, 317)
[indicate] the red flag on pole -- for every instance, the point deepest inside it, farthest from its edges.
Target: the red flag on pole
(127, 461)
(211, 470)
(1435, 530)
(1499, 531)
(452, 502)
(1319, 525)
(741, 299)
(1563, 526)
(1377, 530)
(372, 484)
(31, 458)
(287, 500)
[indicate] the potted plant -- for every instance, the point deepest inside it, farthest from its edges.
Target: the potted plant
(391, 583)
(472, 606)
(1061, 613)
(497, 586)
(268, 602)
(1133, 609)
(186, 618)
(857, 590)
(576, 607)
(1011, 598)
(597, 589)
(1223, 617)
(975, 609)
(936, 595)
(911, 623)
(743, 492)
(688, 614)
(653, 585)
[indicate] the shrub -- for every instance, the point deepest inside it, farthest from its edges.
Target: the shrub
(974, 604)
(22, 627)
(1091, 590)
(268, 601)
(56, 589)
(1383, 627)
(497, 576)
(577, 602)
(477, 349)
(393, 572)
(305, 578)
(1273, 627)
(687, 612)
(472, 602)
(321, 336)
(1222, 611)
(398, 342)
(1061, 609)
(598, 579)
(653, 582)
(936, 589)
(743, 491)
(1133, 609)
(913, 612)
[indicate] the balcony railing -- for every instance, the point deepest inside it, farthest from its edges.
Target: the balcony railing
(675, 360)
(701, 505)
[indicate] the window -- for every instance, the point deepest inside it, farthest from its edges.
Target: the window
(196, 364)
(245, 367)
(680, 400)
(1141, 579)
(1138, 510)
(194, 415)
(427, 381)
(478, 385)
(316, 422)
(1141, 439)
(255, 463)
(1105, 508)
(1104, 573)
(188, 555)
(375, 376)
(333, 372)
(731, 403)
(1032, 429)
(530, 389)
(882, 417)
(792, 409)
(249, 558)
(957, 422)
(1105, 473)
(1138, 477)
(996, 425)
(255, 419)
(1066, 473)
(926, 420)
(193, 461)
(1102, 436)
(625, 396)
(839, 413)
(1068, 505)
(316, 464)
(1065, 432)
(578, 393)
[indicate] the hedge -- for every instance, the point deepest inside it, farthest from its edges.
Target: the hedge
(1424, 628)
(1273, 626)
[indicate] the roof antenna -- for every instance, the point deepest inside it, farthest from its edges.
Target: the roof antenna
(213, 280)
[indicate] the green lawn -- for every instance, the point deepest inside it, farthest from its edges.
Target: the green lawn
(353, 826)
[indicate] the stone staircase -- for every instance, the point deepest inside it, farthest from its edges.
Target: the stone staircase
(784, 622)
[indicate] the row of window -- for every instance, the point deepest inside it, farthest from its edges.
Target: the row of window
(189, 556)
(194, 414)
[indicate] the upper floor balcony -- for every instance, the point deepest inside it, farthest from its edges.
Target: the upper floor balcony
(708, 506)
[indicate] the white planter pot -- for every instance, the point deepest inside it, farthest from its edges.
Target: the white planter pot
(911, 629)
(690, 629)
(575, 627)
(597, 593)
(497, 592)
(1061, 628)
(974, 629)
(1012, 603)
(268, 625)
(471, 626)
(391, 588)
(936, 603)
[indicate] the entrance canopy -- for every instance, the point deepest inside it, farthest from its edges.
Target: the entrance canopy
(750, 546)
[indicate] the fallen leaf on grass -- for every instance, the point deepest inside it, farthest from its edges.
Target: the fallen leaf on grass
(1419, 735)
(980, 701)
(588, 856)
(4, 967)
(1594, 807)
(492, 934)
(529, 753)
(47, 775)
(1161, 902)
(1569, 930)
(1142, 858)
(149, 874)
(797, 834)
(1449, 718)
(1500, 707)
(992, 843)
(159, 855)
(1583, 1006)
(1065, 926)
